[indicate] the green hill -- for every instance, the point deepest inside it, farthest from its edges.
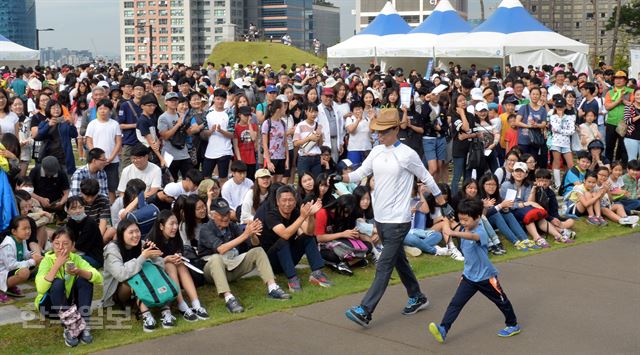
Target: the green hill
(269, 53)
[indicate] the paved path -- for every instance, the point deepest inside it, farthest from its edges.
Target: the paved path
(580, 300)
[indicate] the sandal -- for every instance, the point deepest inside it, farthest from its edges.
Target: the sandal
(542, 243)
(564, 240)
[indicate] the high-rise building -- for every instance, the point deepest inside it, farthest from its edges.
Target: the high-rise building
(326, 24)
(577, 19)
(293, 17)
(412, 11)
(18, 21)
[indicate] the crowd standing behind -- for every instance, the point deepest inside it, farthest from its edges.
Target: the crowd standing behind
(229, 168)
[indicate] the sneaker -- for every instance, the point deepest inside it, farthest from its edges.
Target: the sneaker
(69, 340)
(502, 249)
(415, 305)
(509, 331)
(318, 278)
(359, 315)
(438, 332)
(635, 225)
(148, 322)
(542, 243)
(603, 222)
(233, 306)
(494, 250)
(413, 251)
(456, 254)
(569, 233)
(201, 313)
(343, 268)
(530, 244)
(86, 337)
(14, 292)
(294, 284)
(593, 220)
(4, 298)
(564, 240)
(278, 294)
(629, 220)
(440, 251)
(521, 246)
(189, 315)
(168, 320)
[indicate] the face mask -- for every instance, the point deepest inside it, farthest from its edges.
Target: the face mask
(28, 189)
(79, 217)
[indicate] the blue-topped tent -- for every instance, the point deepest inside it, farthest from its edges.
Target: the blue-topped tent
(361, 48)
(14, 55)
(510, 30)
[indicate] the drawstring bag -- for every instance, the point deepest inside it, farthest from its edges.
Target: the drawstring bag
(73, 321)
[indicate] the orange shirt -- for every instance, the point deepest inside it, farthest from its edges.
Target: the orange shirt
(511, 138)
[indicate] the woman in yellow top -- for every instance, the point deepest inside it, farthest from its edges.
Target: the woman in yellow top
(64, 278)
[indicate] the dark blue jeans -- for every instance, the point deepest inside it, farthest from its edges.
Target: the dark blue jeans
(629, 204)
(309, 164)
(286, 254)
(392, 236)
(55, 300)
(508, 225)
(459, 173)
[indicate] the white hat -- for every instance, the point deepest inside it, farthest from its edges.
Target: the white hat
(330, 82)
(267, 66)
(283, 98)
(238, 82)
(481, 106)
(104, 84)
(246, 82)
(471, 109)
(35, 84)
(476, 94)
(171, 82)
(173, 189)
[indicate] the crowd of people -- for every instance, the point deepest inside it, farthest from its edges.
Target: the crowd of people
(211, 172)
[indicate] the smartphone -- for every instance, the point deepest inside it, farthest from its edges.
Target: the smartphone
(70, 265)
(627, 97)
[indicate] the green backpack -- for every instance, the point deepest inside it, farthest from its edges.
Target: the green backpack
(152, 286)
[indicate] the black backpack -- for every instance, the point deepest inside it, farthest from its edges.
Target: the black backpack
(179, 139)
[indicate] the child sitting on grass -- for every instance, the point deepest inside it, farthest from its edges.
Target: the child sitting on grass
(584, 199)
(614, 212)
(16, 262)
(479, 273)
(545, 197)
(618, 193)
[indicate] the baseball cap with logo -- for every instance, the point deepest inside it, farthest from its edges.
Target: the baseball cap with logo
(521, 166)
(220, 206)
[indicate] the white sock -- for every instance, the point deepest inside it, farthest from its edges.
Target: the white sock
(195, 304)
(556, 177)
(228, 297)
(183, 306)
(272, 286)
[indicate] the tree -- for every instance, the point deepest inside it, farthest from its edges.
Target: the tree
(629, 19)
(482, 10)
(616, 26)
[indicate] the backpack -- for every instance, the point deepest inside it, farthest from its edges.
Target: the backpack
(346, 249)
(144, 216)
(475, 157)
(179, 139)
(152, 286)
(564, 185)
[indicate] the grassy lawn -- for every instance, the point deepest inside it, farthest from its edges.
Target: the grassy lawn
(18, 339)
(268, 53)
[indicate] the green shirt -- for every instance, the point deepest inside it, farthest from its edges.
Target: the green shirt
(616, 114)
(19, 87)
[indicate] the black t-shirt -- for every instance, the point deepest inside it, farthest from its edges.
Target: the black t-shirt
(460, 148)
(273, 218)
(88, 237)
(153, 199)
(410, 137)
(36, 119)
(49, 187)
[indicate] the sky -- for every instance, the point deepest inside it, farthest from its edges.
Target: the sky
(93, 24)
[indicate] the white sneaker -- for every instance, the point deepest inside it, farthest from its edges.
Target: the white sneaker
(456, 255)
(625, 220)
(413, 251)
(633, 219)
(440, 251)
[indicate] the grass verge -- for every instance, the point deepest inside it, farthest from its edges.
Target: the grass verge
(267, 52)
(26, 338)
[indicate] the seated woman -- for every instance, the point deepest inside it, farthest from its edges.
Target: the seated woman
(16, 263)
(325, 188)
(307, 190)
(123, 259)
(340, 242)
(365, 222)
(421, 237)
(254, 197)
(165, 236)
(442, 219)
(345, 166)
(191, 216)
(86, 232)
(65, 279)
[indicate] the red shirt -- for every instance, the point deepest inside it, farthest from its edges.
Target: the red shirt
(511, 138)
(246, 145)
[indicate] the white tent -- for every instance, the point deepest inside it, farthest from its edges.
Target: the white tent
(510, 30)
(14, 55)
(413, 50)
(361, 48)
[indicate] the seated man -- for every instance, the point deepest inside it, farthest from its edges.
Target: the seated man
(50, 186)
(188, 186)
(234, 190)
(288, 235)
(141, 169)
(94, 169)
(230, 254)
(96, 205)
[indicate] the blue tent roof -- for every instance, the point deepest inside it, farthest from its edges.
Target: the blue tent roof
(510, 20)
(4, 39)
(388, 22)
(441, 22)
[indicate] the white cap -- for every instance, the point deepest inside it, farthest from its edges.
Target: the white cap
(476, 94)
(35, 84)
(283, 98)
(173, 189)
(104, 84)
(481, 106)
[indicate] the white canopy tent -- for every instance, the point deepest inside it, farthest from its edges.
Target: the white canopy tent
(510, 30)
(14, 55)
(361, 48)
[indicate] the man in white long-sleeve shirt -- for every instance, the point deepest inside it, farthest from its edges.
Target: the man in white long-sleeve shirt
(393, 165)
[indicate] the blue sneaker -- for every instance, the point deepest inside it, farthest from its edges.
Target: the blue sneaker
(509, 331)
(359, 315)
(438, 332)
(415, 304)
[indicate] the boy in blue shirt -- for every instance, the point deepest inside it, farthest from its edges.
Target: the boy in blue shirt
(575, 175)
(478, 275)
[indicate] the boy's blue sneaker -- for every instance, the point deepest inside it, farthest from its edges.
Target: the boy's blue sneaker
(438, 332)
(415, 304)
(359, 315)
(509, 331)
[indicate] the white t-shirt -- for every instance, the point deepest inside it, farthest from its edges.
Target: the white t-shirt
(219, 145)
(234, 193)
(104, 136)
(360, 140)
(175, 190)
(303, 130)
(151, 175)
(8, 123)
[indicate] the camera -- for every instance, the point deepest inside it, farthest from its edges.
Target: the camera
(333, 178)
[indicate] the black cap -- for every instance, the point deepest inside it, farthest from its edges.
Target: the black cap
(399, 72)
(560, 102)
(148, 99)
(511, 99)
(220, 206)
(244, 110)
